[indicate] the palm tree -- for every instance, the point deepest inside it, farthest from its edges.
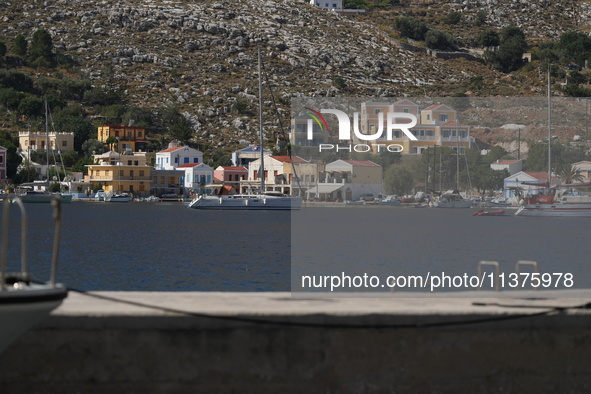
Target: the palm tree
(571, 175)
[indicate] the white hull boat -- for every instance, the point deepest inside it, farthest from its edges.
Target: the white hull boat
(562, 204)
(24, 302)
(247, 202)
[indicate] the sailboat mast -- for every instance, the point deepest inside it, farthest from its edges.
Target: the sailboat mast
(262, 168)
(47, 141)
(549, 130)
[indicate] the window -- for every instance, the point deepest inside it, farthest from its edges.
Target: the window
(445, 133)
(120, 172)
(405, 110)
(142, 172)
(64, 143)
(186, 160)
(131, 173)
(428, 117)
(195, 160)
(414, 149)
(128, 162)
(1, 159)
(98, 173)
(377, 111)
(176, 160)
(443, 117)
(139, 134)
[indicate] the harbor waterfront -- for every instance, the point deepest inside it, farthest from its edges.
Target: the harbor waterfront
(168, 247)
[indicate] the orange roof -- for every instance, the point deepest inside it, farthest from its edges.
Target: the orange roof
(229, 168)
(287, 159)
(171, 149)
(539, 175)
(452, 123)
(505, 162)
(432, 107)
(188, 165)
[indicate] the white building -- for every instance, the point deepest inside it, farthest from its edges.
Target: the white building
(531, 178)
(278, 173)
(197, 175)
(584, 168)
(328, 4)
(348, 180)
(175, 156)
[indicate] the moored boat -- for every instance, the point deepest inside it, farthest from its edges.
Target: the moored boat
(118, 197)
(453, 200)
(563, 202)
(24, 302)
(263, 200)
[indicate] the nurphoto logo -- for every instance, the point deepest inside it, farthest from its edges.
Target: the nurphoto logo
(344, 130)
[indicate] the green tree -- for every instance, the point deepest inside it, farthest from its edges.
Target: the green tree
(2, 49)
(10, 98)
(77, 124)
(80, 165)
(398, 180)
(26, 173)
(411, 27)
(509, 56)
(93, 147)
(480, 18)
(13, 159)
(182, 131)
(571, 175)
(488, 38)
(41, 51)
(452, 18)
(31, 106)
(436, 39)
(20, 45)
(16, 80)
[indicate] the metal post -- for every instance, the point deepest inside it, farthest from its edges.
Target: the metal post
(57, 219)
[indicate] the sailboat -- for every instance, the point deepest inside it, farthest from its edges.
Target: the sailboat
(23, 302)
(44, 196)
(557, 201)
(263, 200)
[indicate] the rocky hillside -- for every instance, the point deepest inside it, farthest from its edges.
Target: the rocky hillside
(201, 55)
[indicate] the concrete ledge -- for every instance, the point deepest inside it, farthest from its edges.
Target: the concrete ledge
(273, 342)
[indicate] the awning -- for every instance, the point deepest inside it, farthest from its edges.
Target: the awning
(326, 188)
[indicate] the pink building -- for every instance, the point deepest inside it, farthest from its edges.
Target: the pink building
(231, 175)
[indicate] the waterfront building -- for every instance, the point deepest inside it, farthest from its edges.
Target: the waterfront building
(244, 157)
(514, 183)
(584, 168)
(278, 172)
(196, 176)
(128, 137)
(174, 156)
(36, 140)
(116, 172)
(231, 175)
(298, 134)
(348, 180)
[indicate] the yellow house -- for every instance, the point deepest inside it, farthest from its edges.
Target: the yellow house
(128, 137)
(34, 140)
(437, 126)
(123, 173)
